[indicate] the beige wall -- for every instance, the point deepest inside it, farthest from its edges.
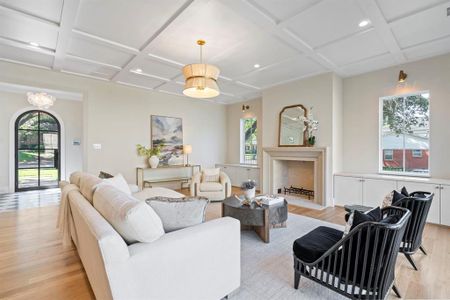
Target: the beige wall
(323, 93)
(118, 117)
(234, 115)
(361, 112)
(69, 111)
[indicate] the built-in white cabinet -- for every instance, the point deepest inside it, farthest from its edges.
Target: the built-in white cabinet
(240, 173)
(347, 190)
(434, 213)
(370, 190)
(445, 204)
(374, 191)
(358, 190)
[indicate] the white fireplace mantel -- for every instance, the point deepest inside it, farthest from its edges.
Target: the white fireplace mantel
(319, 155)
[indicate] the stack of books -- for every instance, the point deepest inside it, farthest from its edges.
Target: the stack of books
(270, 199)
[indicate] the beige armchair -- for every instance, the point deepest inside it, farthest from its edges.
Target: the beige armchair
(214, 191)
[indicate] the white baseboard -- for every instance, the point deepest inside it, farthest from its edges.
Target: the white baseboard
(4, 189)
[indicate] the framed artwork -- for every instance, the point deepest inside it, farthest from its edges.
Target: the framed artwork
(169, 132)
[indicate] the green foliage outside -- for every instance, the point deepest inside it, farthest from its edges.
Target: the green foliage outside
(30, 174)
(404, 114)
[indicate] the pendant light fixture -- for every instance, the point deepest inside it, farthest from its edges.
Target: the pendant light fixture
(201, 79)
(40, 100)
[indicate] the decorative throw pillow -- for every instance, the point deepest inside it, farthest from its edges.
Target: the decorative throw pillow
(119, 183)
(373, 215)
(404, 192)
(134, 220)
(178, 213)
(349, 224)
(397, 197)
(211, 175)
(104, 175)
(387, 201)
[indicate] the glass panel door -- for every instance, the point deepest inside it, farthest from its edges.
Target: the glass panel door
(37, 151)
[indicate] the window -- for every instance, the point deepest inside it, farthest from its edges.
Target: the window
(37, 135)
(249, 146)
(405, 134)
(416, 153)
(388, 154)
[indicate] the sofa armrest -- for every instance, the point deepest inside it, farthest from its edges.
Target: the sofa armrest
(198, 262)
(195, 182)
(226, 182)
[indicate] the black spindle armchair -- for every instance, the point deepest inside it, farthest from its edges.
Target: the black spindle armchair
(419, 204)
(360, 265)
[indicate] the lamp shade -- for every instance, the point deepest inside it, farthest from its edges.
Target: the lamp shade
(201, 81)
(187, 149)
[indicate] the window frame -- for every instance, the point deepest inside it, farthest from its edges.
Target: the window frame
(380, 134)
(242, 160)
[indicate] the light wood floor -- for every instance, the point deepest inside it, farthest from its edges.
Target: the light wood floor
(33, 264)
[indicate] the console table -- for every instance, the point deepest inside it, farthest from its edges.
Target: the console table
(145, 177)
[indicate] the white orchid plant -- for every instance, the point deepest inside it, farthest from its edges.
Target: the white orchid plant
(311, 125)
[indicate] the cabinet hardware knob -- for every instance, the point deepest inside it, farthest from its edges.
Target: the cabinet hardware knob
(438, 187)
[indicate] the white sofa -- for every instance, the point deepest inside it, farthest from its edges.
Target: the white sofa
(199, 262)
(214, 191)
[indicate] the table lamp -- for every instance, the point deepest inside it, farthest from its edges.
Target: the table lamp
(187, 149)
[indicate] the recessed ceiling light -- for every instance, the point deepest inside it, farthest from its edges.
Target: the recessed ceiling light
(138, 70)
(364, 23)
(34, 44)
(256, 66)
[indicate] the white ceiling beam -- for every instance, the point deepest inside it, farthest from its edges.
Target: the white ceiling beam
(29, 16)
(106, 42)
(68, 17)
(373, 12)
(90, 61)
(144, 51)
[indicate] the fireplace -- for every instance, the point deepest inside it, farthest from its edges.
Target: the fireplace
(296, 173)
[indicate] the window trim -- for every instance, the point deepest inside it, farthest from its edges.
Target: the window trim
(380, 132)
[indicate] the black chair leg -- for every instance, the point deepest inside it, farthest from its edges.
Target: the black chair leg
(296, 280)
(423, 250)
(396, 291)
(411, 261)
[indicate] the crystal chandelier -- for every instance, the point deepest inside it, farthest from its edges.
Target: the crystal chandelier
(40, 100)
(201, 79)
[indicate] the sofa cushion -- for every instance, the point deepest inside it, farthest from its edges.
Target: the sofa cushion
(88, 184)
(210, 187)
(178, 213)
(211, 175)
(312, 245)
(134, 220)
(119, 183)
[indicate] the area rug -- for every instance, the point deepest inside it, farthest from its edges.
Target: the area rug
(267, 269)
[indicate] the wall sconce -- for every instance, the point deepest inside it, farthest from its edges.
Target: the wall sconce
(402, 76)
(245, 107)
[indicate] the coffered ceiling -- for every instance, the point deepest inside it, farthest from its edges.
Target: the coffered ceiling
(144, 43)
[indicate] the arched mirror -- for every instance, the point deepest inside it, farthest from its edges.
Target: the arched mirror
(292, 129)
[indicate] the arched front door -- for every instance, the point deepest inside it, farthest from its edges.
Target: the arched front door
(37, 145)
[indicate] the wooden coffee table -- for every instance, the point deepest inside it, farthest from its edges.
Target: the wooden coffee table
(260, 219)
